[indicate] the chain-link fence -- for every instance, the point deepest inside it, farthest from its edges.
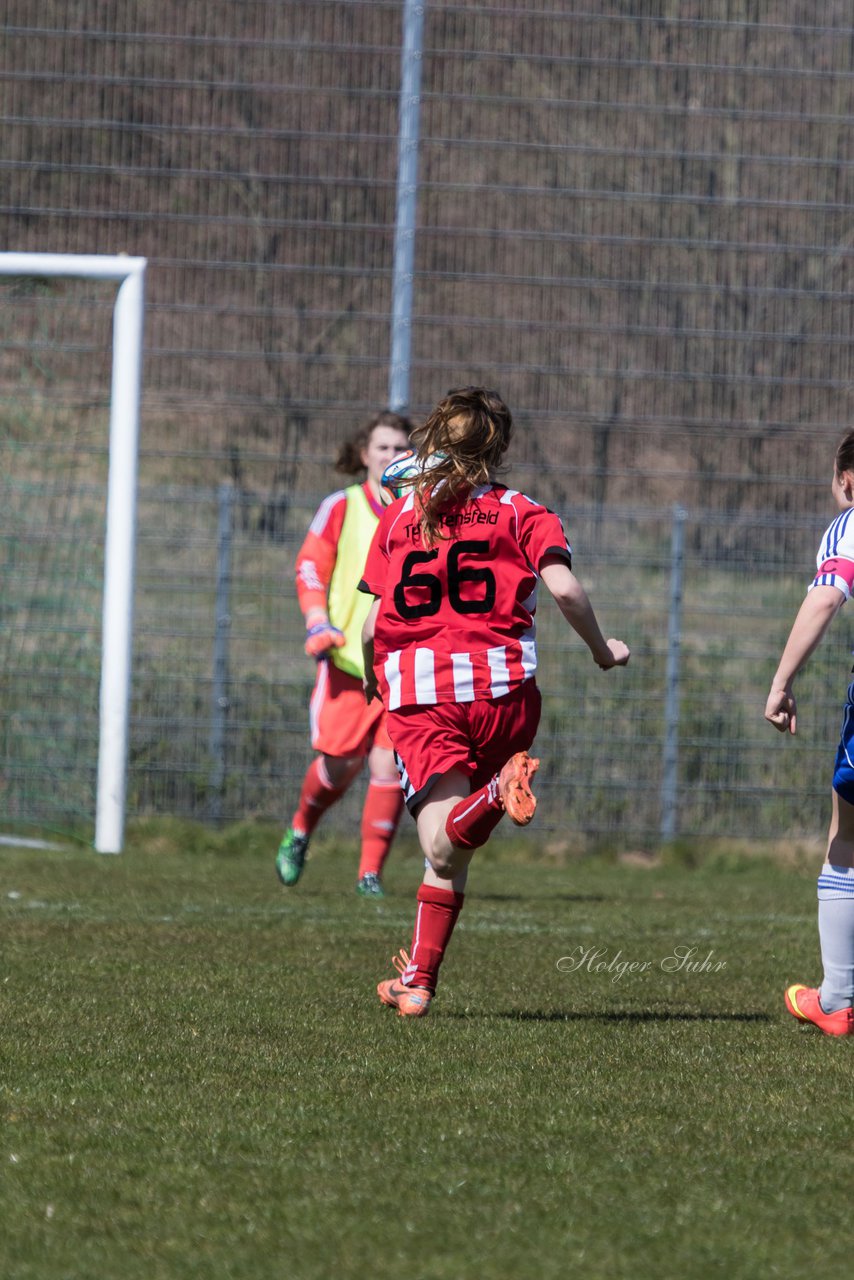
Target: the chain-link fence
(634, 222)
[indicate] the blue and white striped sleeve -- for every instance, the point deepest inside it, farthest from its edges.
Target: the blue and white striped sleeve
(835, 559)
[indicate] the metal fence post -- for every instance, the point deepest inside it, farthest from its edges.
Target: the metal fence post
(407, 200)
(670, 763)
(222, 627)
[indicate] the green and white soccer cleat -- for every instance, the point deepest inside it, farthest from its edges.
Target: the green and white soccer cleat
(290, 859)
(368, 886)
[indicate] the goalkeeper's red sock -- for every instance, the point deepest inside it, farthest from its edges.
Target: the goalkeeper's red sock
(472, 821)
(380, 816)
(437, 914)
(317, 795)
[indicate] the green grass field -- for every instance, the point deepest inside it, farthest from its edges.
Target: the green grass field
(198, 1079)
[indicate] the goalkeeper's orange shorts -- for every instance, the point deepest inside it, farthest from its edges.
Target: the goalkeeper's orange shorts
(342, 722)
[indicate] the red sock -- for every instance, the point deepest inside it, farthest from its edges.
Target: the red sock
(434, 923)
(472, 821)
(316, 796)
(380, 816)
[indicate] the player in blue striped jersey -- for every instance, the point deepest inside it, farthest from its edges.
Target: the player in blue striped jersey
(831, 1006)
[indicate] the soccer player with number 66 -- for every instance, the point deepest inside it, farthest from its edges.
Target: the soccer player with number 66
(454, 567)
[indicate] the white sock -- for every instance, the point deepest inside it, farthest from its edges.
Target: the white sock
(836, 933)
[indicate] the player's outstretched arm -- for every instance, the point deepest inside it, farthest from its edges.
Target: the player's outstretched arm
(814, 617)
(575, 606)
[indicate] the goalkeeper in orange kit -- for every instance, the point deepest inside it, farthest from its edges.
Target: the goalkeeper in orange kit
(344, 728)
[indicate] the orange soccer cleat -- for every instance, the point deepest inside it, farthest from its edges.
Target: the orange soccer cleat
(514, 786)
(803, 1003)
(410, 1002)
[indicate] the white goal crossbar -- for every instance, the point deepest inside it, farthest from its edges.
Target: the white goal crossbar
(120, 541)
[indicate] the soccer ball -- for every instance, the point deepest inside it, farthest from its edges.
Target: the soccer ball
(401, 474)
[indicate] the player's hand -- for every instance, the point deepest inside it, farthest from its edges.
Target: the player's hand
(321, 638)
(620, 654)
(369, 684)
(781, 710)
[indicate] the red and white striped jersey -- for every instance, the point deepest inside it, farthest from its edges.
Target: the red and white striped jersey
(456, 622)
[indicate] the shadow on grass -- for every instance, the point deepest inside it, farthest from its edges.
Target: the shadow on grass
(616, 1015)
(476, 895)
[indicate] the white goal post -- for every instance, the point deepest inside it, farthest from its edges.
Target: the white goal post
(120, 541)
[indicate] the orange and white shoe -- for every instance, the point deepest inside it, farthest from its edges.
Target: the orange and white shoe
(514, 786)
(410, 1002)
(803, 1003)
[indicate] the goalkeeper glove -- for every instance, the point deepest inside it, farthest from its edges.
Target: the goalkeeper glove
(321, 638)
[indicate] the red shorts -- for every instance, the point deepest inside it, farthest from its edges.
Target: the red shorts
(474, 737)
(342, 722)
